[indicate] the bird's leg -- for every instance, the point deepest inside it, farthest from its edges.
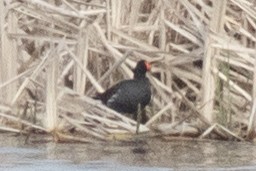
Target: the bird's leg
(144, 117)
(138, 118)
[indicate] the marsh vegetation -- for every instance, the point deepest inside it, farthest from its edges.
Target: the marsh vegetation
(56, 54)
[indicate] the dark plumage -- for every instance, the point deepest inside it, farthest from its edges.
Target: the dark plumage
(125, 96)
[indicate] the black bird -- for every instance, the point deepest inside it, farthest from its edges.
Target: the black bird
(126, 95)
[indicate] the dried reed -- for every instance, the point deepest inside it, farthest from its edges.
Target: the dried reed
(204, 65)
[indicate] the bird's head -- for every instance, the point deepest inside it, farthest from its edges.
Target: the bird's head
(141, 68)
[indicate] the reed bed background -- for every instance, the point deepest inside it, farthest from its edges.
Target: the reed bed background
(56, 54)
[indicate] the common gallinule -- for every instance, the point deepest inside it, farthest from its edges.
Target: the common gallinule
(126, 95)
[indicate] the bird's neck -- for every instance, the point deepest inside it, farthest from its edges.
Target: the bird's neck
(139, 76)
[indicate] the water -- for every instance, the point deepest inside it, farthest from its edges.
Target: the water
(145, 155)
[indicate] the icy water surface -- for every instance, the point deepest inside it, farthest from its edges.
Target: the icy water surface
(145, 155)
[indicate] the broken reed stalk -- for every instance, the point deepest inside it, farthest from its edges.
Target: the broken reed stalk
(197, 112)
(108, 19)
(8, 54)
(16, 78)
(95, 108)
(7, 129)
(82, 56)
(116, 54)
(115, 65)
(209, 84)
(85, 70)
(51, 95)
(19, 120)
(217, 126)
(111, 69)
(159, 114)
(37, 70)
(232, 84)
(64, 137)
(252, 119)
(79, 126)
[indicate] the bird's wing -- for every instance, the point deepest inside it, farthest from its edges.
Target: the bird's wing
(114, 97)
(104, 97)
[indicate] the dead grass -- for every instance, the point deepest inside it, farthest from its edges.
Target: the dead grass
(47, 46)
